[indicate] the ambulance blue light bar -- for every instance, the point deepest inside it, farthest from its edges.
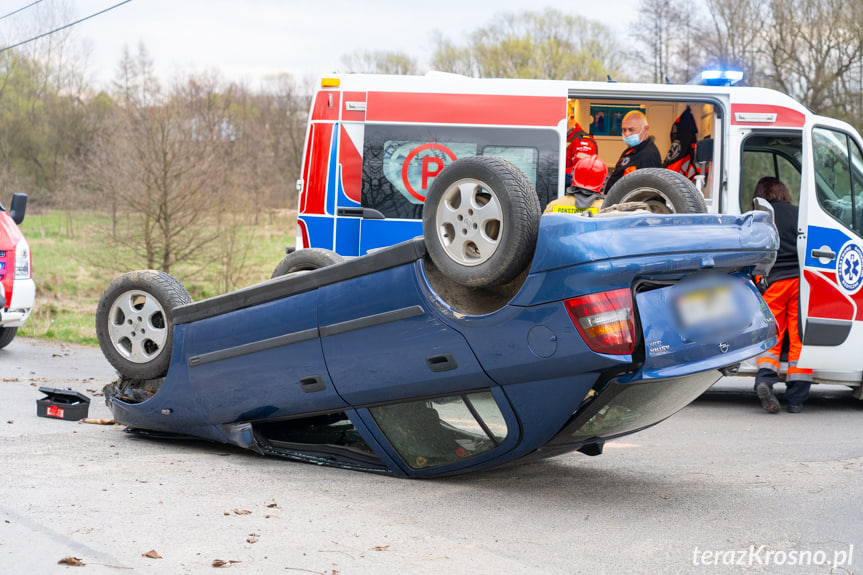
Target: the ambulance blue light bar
(720, 77)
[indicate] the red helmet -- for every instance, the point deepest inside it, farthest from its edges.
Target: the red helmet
(583, 147)
(589, 173)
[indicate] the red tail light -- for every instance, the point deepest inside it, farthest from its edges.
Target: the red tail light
(604, 320)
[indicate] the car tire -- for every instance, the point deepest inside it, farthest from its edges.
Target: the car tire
(664, 191)
(480, 221)
(7, 334)
(134, 322)
(306, 260)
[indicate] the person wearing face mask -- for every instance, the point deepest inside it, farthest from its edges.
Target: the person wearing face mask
(640, 151)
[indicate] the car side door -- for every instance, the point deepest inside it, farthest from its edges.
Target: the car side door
(830, 247)
(383, 342)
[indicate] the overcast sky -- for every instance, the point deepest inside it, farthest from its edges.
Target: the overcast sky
(247, 39)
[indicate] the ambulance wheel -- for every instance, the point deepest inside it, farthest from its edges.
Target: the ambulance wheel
(664, 191)
(306, 260)
(480, 221)
(134, 322)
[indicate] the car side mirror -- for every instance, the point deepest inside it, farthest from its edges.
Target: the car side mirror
(18, 207)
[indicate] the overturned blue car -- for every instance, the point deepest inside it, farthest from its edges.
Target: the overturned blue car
(498, 336)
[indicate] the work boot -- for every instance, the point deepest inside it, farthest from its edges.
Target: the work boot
(768, 400)
(794, 408)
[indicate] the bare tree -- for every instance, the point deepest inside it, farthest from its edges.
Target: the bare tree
(43, 129)
(380, 62)
(166, 166)
(673, 36)
(738, 27)
(547, 44)
(811, 47)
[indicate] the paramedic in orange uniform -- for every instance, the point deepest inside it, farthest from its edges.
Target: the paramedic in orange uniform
(640, 150)
(782, 295)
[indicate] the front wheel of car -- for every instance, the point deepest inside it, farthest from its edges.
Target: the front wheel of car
(134, 322)
(664, 192)
(7, 334)
(480, 221)
(307, 259)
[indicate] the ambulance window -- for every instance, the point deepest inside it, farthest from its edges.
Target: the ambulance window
(401, 162)
(839, 176)
(524, 159)
(776, 155)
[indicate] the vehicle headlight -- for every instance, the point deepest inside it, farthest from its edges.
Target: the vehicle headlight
(22, 260)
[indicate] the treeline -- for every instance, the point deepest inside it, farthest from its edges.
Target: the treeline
(809, 49)
(179, 167)
(181, 170)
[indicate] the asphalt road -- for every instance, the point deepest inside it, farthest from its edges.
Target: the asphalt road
(720, 482)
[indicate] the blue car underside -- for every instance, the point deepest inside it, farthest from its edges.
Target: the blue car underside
(380, 364)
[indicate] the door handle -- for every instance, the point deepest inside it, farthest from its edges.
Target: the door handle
(442, 362)
(312, 383)
(365, 213)
(824, 253)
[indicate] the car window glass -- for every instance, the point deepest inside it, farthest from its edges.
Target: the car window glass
(525, 159)
(409, 166)
(839, 176)
(770, 154)
(440, 431)
(790, 176)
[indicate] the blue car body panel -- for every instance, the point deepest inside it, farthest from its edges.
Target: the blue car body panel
(361, 344)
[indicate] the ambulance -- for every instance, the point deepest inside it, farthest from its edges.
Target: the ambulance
(375, 143)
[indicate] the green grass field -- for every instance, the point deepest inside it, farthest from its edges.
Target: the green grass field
(72, 265)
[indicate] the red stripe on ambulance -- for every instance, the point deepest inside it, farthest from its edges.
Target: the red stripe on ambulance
(352, 167)
(826, 300)
(465, 109)
(785, 117)
(315, 173)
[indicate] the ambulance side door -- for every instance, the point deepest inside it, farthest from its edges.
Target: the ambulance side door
(346, 175)
(830, 247)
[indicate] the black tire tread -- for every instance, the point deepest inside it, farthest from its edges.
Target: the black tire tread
(170, 293)
(683, 194)
(507, 263)
(305, 260)
(7, 334)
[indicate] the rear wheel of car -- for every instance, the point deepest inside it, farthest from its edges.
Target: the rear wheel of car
(7, 334)
(134, 322)
(306, 260)
(664, 192)
(480, 221)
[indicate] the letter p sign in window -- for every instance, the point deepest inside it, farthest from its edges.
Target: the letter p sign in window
(412, 166)
(432, 166)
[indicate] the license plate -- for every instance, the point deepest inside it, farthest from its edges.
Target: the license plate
(705, 306)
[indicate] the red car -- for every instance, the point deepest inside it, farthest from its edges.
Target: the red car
(18, 289)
